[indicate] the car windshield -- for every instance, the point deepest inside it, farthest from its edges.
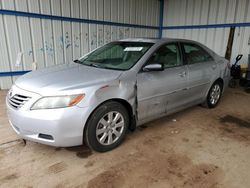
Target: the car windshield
(116, 55)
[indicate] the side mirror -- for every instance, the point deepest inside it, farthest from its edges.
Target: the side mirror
(153, 67)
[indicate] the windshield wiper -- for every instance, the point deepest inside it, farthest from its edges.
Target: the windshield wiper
(77, 61)
(92, 64)
(96, 65)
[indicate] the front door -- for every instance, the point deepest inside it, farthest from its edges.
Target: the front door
(161, 91)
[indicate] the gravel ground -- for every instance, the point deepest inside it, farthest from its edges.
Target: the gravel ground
(197, 147)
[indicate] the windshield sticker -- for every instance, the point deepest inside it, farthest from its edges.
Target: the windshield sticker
(134, 49)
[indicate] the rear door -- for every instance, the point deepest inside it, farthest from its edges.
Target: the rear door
(159, 92)
(201, 67)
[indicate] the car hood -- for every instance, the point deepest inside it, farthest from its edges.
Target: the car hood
(65, 77)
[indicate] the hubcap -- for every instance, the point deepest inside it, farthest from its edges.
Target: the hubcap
(110, 128)
(215, 94)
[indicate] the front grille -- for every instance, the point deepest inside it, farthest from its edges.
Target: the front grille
(17, 101)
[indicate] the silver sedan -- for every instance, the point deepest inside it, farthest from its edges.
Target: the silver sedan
(116, 87)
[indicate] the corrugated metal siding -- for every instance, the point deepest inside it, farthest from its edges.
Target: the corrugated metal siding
(50, 42)
(203, 12)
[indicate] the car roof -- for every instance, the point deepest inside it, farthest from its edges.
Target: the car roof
(162, 40)
(155, 40)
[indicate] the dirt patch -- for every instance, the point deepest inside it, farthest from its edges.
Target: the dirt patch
(12, 143)
(2, 153)
(107, 179)
(148, 142)
(89, 164)
(81, 151)
(10, 177)
(142, 127)
(159, 170)
(57, 168)
(203, 175)
(185, 139)
(235, 128)
(235, 120)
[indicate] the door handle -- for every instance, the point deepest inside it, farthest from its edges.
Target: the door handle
(182, 74)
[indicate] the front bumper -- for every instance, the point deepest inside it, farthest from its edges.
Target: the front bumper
(64, 126)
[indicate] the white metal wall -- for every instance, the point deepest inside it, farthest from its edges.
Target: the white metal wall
(203, 12)
(50, 42)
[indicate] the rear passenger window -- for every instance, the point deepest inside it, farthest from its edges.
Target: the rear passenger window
(168, 55)
(196, 54)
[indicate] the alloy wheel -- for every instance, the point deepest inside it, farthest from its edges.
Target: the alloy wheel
(215, 94)
(110, 128)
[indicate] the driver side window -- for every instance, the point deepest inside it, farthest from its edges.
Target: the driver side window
(168, 55)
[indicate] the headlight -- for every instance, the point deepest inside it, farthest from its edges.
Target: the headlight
(57, 102)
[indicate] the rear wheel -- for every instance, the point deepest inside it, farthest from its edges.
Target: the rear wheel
(214, 95)
(107, 126)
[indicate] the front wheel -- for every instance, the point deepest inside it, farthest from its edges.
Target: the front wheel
(214, 95)
(106, 127)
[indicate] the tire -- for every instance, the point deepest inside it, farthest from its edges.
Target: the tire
(214, 95)
(106, 127)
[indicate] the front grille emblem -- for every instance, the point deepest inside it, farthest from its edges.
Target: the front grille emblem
(10, 94)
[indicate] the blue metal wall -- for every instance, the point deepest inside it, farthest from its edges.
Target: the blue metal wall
(209, 22)
(50, 32)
